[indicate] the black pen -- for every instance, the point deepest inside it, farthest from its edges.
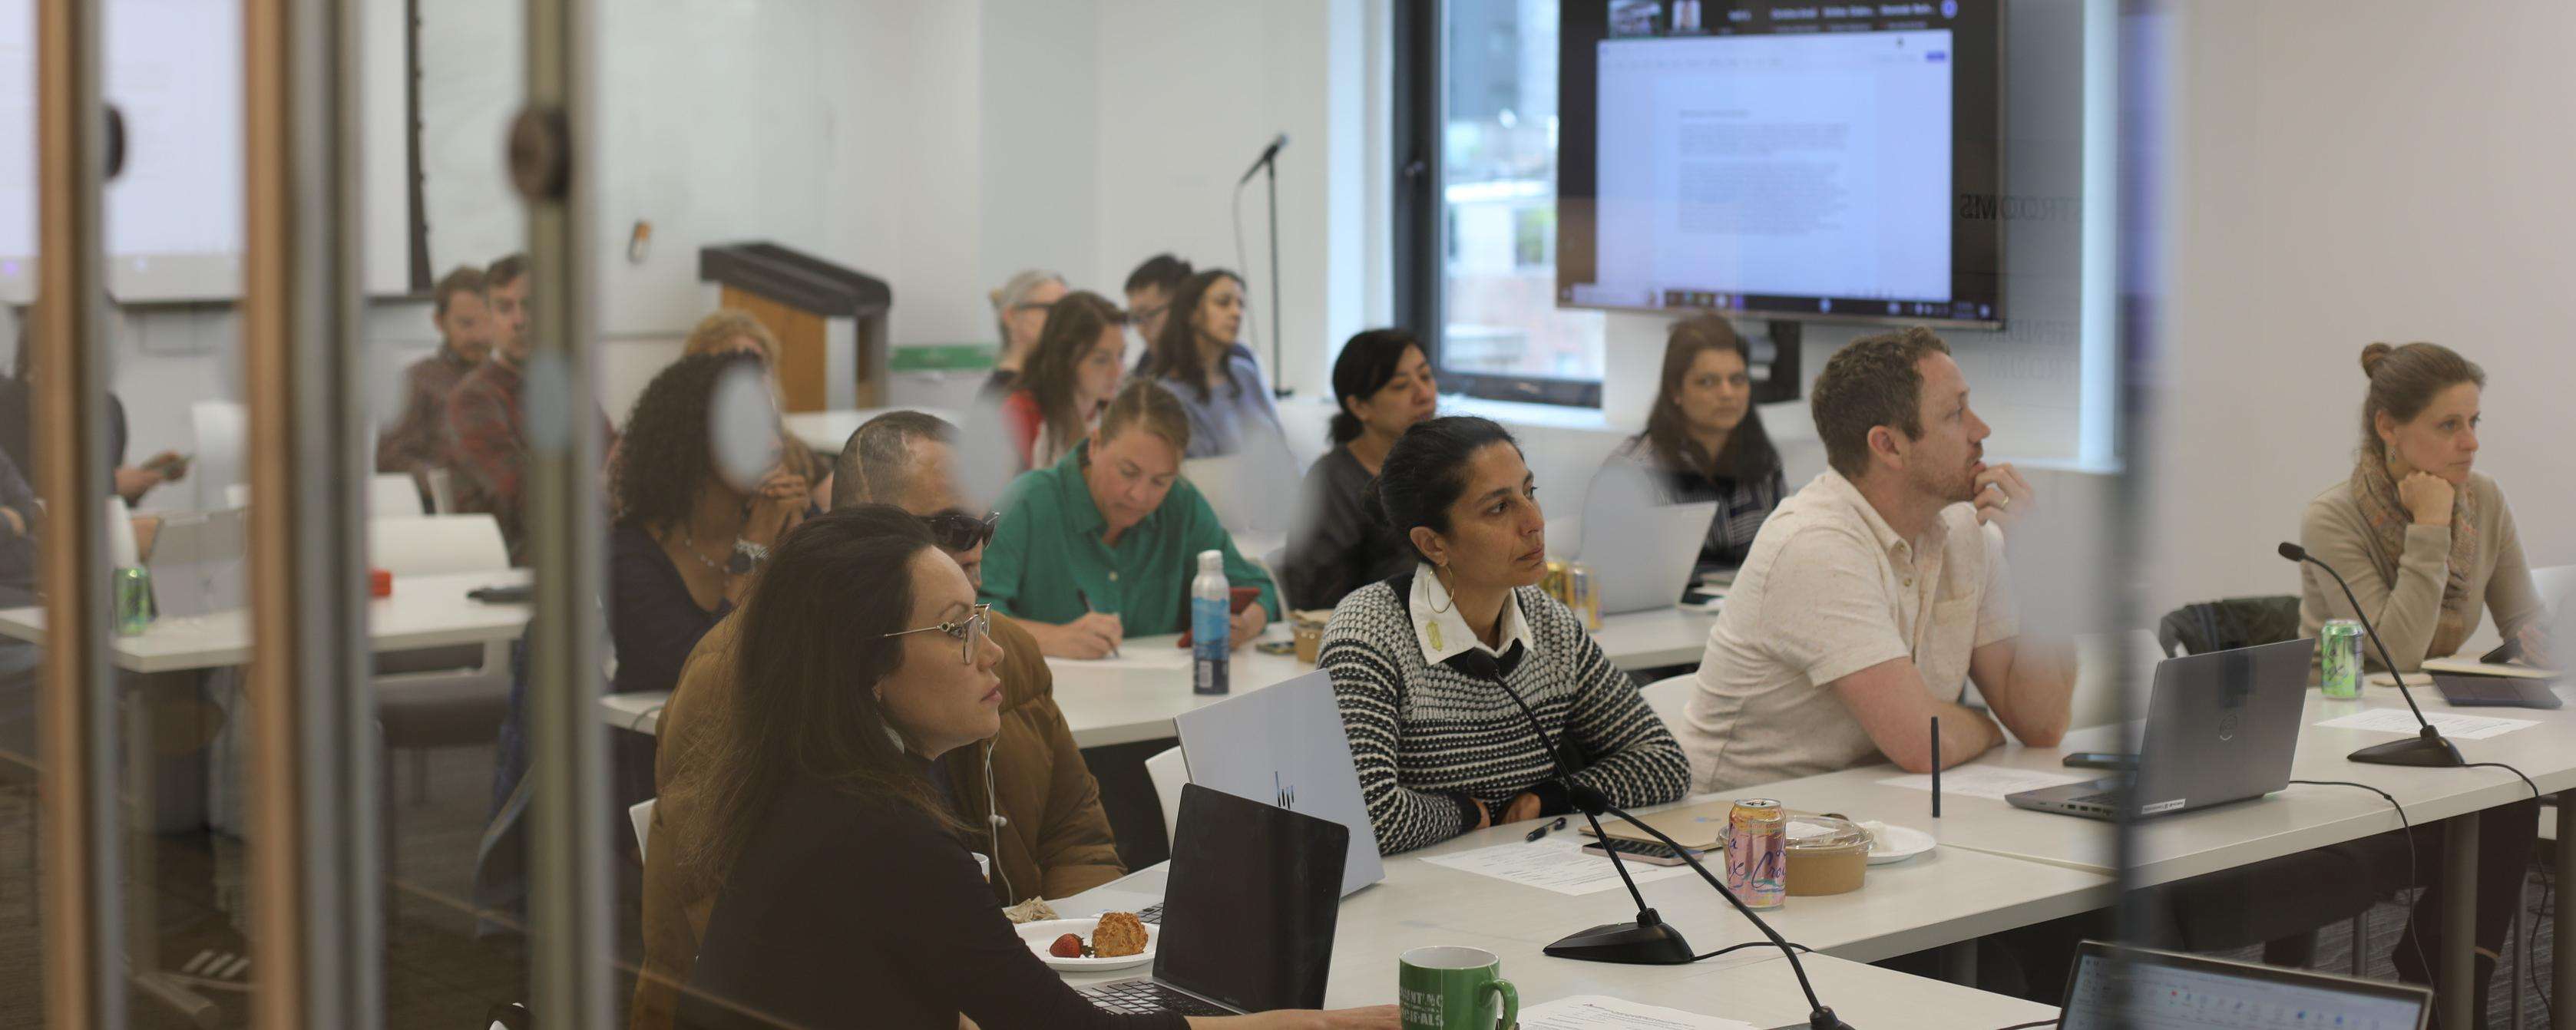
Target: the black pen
(1087, 606)
(1534, 835)
(1936, 767)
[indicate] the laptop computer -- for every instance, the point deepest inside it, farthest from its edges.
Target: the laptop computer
(1642, 551)
(2221, 727)
(2461, 691)
(1248, 924)
(2117, 987)
(1285, 745)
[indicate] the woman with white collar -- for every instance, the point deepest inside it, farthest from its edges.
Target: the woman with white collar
(1442, 747)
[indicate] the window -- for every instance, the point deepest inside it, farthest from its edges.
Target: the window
(1481, 89)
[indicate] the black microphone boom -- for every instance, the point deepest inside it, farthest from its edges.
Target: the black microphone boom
(2426, 748)
(1650, 935)
(1268, 155)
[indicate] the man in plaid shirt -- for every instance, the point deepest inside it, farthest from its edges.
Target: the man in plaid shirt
(418, 439)
(487, 440)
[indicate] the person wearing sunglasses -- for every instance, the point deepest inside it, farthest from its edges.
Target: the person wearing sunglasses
(842, 878)
(1026, 792)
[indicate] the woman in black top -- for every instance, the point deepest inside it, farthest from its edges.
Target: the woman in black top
(1705, 442)
(845, 894)
(1383, 385)
(688, 533)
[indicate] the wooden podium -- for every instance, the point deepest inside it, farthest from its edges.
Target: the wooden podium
(830, 321)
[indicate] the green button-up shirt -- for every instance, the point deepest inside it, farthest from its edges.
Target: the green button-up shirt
(1047, 554)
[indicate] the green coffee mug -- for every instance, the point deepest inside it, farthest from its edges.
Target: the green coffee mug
(1452, 988)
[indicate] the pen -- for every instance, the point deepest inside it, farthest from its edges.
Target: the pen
(1080, 595)
(1534, 835)
(1936, 767)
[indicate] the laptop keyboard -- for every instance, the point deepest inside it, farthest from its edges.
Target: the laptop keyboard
(1145, 997)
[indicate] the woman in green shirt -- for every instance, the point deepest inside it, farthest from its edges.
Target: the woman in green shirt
(1104, 543)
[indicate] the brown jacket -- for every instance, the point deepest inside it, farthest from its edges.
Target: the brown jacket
(1055, 842)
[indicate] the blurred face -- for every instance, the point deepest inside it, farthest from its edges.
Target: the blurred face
(467, 325)
(1220, 313)
(1130, 474)
(1497, 537)
(1405, 399)
(510, 318)
(1945, 460)
(1715, 393)
(2441, 439)
(930, 488)
(1096, 375)
(1147, 308)
(940, 697)
(1029, 315)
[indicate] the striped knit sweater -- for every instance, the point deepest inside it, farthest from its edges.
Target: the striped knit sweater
(1427, 738)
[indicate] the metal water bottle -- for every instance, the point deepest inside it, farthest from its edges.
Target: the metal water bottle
(1209, 626)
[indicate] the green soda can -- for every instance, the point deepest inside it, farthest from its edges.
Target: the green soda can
(2339, 658)
(132, 591)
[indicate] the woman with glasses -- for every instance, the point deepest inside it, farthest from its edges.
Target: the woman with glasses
(1081, 356)
(842, 877)
(1217, 379)
(1020, 310)
(1103, 544)
(688, 533)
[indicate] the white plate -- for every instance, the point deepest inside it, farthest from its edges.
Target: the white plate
(1042, 934)
(1897, 843)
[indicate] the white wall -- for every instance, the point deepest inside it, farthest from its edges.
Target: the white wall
(2319, 201)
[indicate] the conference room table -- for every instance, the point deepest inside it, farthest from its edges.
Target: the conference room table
(1135, 696)
(1947, 896)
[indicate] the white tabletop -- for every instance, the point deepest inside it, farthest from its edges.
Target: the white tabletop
(423, 612)
(826, 431)
(1939, 898)
(1135, 696)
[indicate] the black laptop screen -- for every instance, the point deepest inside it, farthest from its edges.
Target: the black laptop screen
(1249, 907)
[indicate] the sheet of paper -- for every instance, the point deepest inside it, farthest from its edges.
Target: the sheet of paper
(1597, 1012)
(1989, 781)
(2452, 724)
(1556, 863)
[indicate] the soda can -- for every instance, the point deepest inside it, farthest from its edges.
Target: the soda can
(2339, 658)
(1757, 853)
(131, 591)
(1584, 594)
(1554, 583)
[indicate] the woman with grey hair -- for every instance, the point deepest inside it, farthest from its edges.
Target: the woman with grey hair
(1020, 308)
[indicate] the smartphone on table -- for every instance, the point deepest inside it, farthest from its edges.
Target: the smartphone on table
(1237, 599)
(1647, 851)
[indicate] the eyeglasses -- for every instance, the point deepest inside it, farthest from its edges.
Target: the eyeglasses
(1033, 305)
(1140, 316)
(954, 530)
(971, 631)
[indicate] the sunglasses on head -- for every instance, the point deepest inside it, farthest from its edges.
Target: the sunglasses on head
(955, 530)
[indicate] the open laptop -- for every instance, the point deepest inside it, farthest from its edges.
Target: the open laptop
(1285, 745)
(1249, 916)
(2116, 987)
(2221, 727)
(1642, 551)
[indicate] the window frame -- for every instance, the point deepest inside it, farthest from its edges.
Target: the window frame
(1419, 233)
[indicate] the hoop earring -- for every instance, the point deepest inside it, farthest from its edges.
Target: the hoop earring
(1436, 570)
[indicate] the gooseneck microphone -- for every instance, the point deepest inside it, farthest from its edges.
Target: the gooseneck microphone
(2427, 748)
(1650, 941)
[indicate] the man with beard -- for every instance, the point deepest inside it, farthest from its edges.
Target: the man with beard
(1877, 591)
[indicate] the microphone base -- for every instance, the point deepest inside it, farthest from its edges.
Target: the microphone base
(2430, 750)
(1630, 943)
(1824, 1019)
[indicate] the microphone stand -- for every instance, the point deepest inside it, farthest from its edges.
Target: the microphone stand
(1269, 166)
(1650, 936)
(2427, 748)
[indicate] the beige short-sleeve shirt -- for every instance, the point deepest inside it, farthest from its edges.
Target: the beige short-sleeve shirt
(1828, 590)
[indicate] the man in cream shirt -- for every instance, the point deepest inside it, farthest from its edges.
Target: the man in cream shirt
(1873, 594)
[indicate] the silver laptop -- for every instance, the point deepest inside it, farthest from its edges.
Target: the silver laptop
(1284, 745)
(1642, 549)
(2221, 727)
(2134, 987)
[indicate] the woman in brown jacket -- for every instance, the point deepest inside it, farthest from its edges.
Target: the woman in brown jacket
(1027, 787)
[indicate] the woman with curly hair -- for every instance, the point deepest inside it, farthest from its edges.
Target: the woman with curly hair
(687, 536)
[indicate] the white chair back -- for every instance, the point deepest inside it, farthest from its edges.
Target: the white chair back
(642, 815)
(221, 427)
(1168, 772)
(393, 495)
(1668, 696)
(423, 545)
(442, 491)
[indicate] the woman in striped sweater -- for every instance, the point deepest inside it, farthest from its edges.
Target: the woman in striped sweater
(1441, 748)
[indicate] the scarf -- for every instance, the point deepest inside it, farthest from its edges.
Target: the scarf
(2375, 490)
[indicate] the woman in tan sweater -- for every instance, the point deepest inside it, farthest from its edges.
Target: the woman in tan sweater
(2429, 546)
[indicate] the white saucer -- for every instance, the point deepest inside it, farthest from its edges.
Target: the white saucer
(1042, 934)
(1895, 843)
